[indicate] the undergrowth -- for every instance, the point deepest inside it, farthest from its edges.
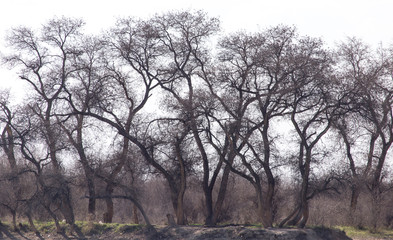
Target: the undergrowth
(363, 232)
(100, 228)
(87, 228)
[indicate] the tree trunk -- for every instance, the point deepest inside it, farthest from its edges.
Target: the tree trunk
(66, 208)
(108, 215)
(31, 222)
(53, 215)
(14, 226)
(259, 194)
(355, 192)
(301, 218)
(264, 206)
(267, 201)
(290, 216)
(179, 206)
(139, 206)
(268, 217)
(209, 206)
(91, 208)
(376, 209)
(89, 174)
(135, 214)
(303, 215)
(177, 196)
(295, 217)
(267, 211)
(181, 220)
(207, 188)
(221, 195)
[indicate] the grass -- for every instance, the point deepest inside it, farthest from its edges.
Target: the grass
(100, 228)
(366, 233)
(85, 227)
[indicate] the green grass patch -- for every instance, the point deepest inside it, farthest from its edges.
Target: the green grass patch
(89, 228)
(95, 228)
(354, 232)
(127, 228)
(196, 224)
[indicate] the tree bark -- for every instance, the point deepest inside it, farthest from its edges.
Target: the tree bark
(221, 195)
(179, 206)
(108, 215)
(355, 193)
(135, 214)
(267, 214)
(31, 222)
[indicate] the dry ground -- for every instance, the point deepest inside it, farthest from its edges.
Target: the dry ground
(189, 232)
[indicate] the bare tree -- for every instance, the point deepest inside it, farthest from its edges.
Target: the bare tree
(182, 37)
(368, 128)
(253, 85)
(7, 142)
(111, 97)
(313, 110)
(44, 64)
(174, 153)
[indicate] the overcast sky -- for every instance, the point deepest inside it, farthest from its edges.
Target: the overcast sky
(332, 20)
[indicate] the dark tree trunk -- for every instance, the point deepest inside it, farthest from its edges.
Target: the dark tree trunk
(108, 215)
(301, 217)
(207, 186)
(179, 206)
(221, 195)
(267, 214)
(355, 193)
(67, 209)
(267, 209)
(14, 226)
(31, 222)
(135, 214)
(53, 215)
(92, 201)
(304, 208)
(209, 206)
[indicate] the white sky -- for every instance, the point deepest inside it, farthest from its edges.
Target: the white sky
(332, 20)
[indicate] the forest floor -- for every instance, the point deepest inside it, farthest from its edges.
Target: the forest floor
(127, 231)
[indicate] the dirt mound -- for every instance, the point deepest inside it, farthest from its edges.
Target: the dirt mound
(239, 232)
(194, 233)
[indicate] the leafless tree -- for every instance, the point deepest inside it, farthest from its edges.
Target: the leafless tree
(44, 63)
(183, 37)
(7, 142)
(368, 75)
(111, 97)
(313, 103)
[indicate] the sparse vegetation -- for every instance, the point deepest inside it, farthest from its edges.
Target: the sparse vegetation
(366, 233)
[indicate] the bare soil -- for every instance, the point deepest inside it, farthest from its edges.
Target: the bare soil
(191, 232)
